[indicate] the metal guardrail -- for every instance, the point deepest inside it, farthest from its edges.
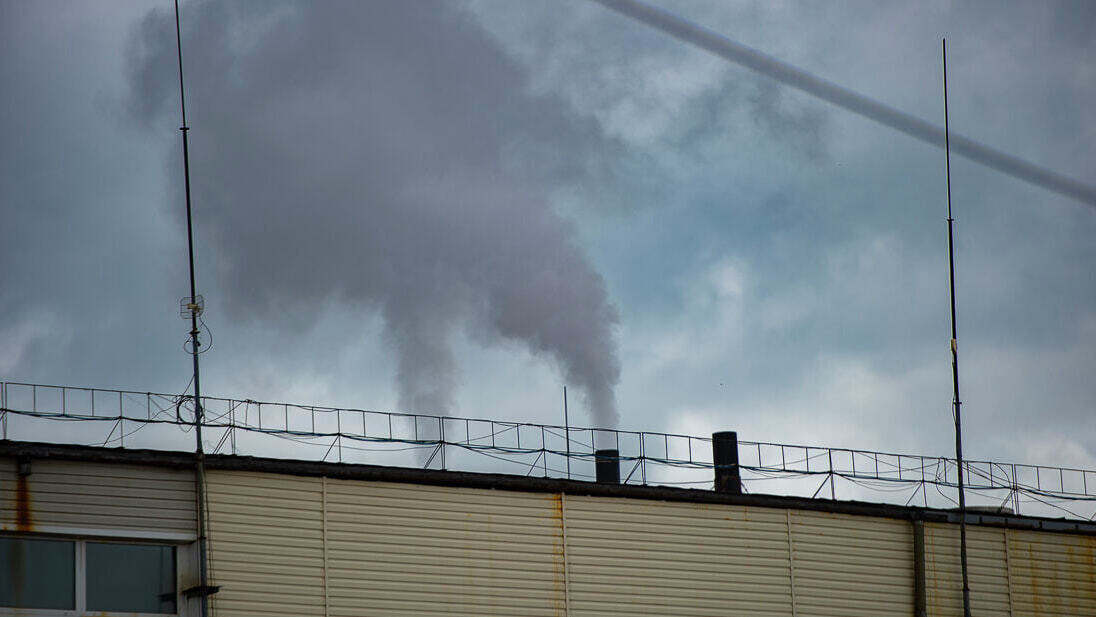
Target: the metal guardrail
(245, 426)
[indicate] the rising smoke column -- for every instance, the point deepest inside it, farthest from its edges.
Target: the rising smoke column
(389, 156)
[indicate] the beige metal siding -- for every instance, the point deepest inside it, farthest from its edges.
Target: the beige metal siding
(986, 565)
(88, 498)
(1052, 574)
(288, 546)
(265, 544)
(638, 557)
(851, 566)
(401, 549)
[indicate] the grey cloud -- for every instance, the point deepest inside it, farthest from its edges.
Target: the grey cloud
(82, 261)
(389, 155)
(91, 271)
(803, 127)
(852, 101)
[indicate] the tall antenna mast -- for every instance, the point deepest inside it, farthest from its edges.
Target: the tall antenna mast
(194, 306)
(956, 404)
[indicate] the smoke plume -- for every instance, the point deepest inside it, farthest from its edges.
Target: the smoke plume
(387, 155)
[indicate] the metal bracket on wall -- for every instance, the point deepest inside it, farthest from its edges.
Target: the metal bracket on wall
(201, 591)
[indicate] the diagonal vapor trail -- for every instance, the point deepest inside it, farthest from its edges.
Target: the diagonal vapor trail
(785, 73)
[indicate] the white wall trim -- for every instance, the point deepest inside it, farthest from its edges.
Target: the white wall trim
(175, 537)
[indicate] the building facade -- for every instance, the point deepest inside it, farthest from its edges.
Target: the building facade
(100, 531)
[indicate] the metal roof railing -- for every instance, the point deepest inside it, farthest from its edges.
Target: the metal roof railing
(37, 412)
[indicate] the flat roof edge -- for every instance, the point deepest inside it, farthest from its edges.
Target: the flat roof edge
(495, 481)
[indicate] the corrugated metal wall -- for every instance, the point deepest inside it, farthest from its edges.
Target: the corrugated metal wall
(639, 557)
(400, 549)
(266, 544)
(286, 546)
(851, 566)
(71, 496)
(986, 566)
(1052, 574)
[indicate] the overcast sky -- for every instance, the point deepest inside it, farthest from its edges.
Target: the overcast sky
(461, 207)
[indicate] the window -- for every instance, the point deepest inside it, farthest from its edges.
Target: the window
(37, 573)
(137, 578)
(81, 576)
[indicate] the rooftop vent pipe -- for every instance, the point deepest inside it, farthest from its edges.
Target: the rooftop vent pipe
(725, 457)
(607, 464)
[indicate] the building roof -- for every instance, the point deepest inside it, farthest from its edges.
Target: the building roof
(507, 482)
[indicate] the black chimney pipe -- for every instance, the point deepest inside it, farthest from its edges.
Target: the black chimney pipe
(725, 457)
(607, 464)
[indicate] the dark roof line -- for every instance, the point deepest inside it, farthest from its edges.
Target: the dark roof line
(495, 481)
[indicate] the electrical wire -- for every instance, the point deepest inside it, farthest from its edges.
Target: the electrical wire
(935, 469)
(209, 331)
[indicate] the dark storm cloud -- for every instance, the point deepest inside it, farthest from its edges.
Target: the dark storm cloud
(82, 273)
(388, 155)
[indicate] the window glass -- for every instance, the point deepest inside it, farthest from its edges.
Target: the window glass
(37, 573)
(137, 578)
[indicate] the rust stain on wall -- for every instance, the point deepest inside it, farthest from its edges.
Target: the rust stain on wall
(1034, 574)
(1057, 580)
(1082, 557)
(559, 569)
(557, 514)
(24, 518)
(1090, 561)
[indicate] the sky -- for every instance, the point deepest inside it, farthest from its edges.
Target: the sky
(462, 207)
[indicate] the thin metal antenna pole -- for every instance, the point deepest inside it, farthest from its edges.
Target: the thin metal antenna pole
(957, 404)
(567, 432)
(195, 345)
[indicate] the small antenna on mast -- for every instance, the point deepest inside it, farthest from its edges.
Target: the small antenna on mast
(956, 404)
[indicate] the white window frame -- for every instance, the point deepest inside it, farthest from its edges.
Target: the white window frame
(80, 573)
